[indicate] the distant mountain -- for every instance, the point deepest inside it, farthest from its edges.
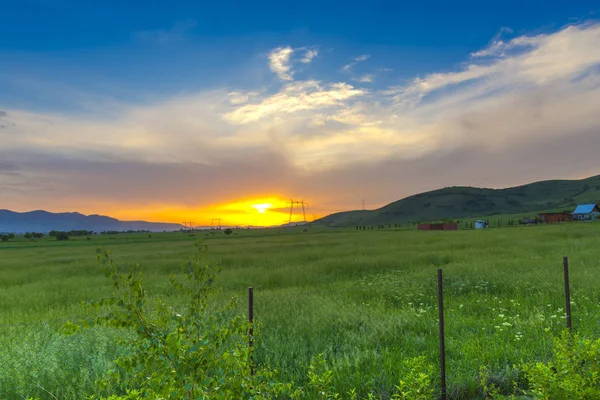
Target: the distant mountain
(464, 202)
(43, 221)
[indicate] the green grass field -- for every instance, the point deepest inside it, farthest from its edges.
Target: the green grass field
(366, 299)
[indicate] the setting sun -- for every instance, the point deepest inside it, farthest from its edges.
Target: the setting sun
(261, 208)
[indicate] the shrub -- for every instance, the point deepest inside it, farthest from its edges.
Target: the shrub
(192, 352)
(573, 374)
(417, 383)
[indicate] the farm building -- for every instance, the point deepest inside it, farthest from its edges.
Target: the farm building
(447, 226)
(585, 212)
(552, 218)
(479, 224)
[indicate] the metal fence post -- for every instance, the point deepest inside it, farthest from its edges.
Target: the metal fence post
(251, 327)
(567, 292)
(442, 344)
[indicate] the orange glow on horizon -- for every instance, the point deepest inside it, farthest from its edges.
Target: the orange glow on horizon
(254, 211)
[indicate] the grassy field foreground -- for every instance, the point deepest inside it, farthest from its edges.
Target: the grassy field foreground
(366, 299)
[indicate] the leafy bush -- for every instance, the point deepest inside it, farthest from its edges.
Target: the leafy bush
(573, 374)
(418, 383)
(192, 352)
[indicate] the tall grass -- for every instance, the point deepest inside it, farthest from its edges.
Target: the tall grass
(366, 299)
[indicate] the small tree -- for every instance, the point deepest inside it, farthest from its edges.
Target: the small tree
(61, 236)
(4, 238)
(27, 235)
(228, 231)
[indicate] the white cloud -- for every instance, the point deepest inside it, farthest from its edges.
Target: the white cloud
(236, 98)
(309, 55)
(526, 60)
(294, 98)
(279, 61)
(358, 59)
(367, 78)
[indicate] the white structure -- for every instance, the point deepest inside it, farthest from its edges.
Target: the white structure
(479, 224)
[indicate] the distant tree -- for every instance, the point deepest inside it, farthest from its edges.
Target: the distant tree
(82, 233)
(4, 238)
(37, 235)
(28, 235)
(61, 236)
(11, 235)
(228, 231)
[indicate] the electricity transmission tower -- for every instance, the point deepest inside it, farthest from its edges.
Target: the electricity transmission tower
(188, 224)
(215, 223)
(297, 204)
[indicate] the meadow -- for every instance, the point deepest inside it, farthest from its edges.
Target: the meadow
(365, 299)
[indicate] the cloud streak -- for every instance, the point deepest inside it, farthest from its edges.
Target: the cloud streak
(358, 59)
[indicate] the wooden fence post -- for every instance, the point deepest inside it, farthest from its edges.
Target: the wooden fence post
(442, 343)
(567, 292)
(251, 327)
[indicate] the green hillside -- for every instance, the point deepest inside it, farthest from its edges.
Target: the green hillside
(465, 202)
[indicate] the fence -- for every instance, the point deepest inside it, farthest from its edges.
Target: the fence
(472, 322)
(461, 320)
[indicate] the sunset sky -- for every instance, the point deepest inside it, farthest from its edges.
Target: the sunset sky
(168, 111)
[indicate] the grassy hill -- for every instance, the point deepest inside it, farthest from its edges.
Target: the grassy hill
(465, 202)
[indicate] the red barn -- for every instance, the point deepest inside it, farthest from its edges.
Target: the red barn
(447, 226)
(553, 218)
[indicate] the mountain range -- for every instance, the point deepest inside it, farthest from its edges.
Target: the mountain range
(447, 203)
(43, 221)
(464, 202)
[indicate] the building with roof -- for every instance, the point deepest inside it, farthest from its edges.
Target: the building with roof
(552, 218)
(480, 224)
(446, 226)
(585, 212)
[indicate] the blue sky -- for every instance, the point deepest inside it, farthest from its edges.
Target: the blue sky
(158, 47)
(337, 96)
